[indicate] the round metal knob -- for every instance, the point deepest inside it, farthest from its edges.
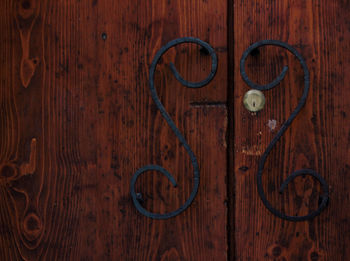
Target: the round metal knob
(254, 100)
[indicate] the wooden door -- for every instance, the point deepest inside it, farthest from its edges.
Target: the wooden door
(78, 120)
(318, 138)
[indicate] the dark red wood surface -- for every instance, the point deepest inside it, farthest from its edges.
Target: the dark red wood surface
(319, 138)
(77, 121)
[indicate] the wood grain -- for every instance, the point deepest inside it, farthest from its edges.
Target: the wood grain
(317, 139)
(77, 120)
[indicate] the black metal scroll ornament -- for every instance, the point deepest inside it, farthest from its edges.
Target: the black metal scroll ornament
(137, 196)
(324, 197)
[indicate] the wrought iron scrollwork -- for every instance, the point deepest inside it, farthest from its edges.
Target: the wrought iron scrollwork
(136, 197)
(324, 197)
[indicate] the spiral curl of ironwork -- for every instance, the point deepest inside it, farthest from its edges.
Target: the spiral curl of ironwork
(136, 196)
(325, 196)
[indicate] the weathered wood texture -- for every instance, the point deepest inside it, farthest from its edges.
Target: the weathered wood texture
(319, 138)
(77, 120)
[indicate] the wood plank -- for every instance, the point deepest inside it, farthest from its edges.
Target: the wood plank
(77, 121)
(318, 138)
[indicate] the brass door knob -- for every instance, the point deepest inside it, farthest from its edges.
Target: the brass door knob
(254, 100)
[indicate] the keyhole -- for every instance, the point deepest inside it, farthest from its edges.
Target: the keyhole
(254, 100)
